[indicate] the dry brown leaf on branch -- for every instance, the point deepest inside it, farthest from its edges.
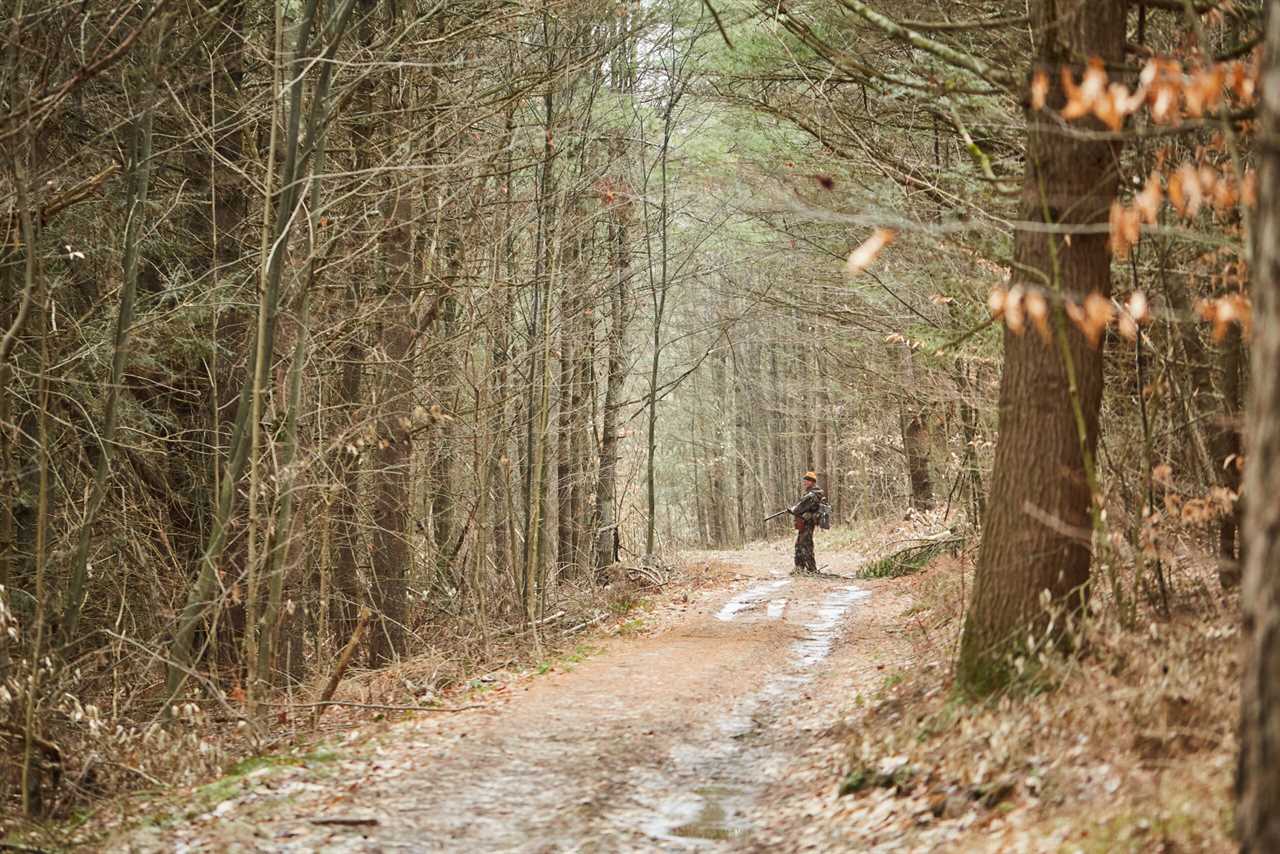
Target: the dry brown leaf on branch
(1037, 308)
(1161, 80)
(1117, 105)
(1163, 475)
(1014, 317)
(1126, 228)
(1138, 307)
(1082, 98)
(1075, 312)
(861, 257)
(1209, 179)
(1126, 327)
(1224, 311)
(1185, 193)
(1093, 318)
(1148, 201)
(996, 301)
(1039, 89)
(1249, 189)
(1225, 196)
(1203, 91)
(1242, 80)
(1134, 315)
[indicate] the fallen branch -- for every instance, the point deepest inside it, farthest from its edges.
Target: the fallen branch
(346, 821)
(340, 667)
(524, 631)
(319, 705)
(587, 624)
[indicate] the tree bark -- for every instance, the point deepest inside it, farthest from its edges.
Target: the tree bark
(1037, 531)
(915, 438)
(1227, 448)
(392, 496)
(606, 533)
(1258, 780)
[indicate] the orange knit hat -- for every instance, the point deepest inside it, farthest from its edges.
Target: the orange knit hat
(811, 475)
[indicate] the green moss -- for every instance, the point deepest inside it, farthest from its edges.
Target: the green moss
(253, 763)
(626, 603)
(855, 781)
(981, 676)
(940, 721)
(631, 627)
(235, 779)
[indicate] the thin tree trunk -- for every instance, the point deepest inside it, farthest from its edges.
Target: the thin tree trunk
(969, 423)
(139, 186)
(392, 494)
(606, 533)
(200, 597)
(1227, 448)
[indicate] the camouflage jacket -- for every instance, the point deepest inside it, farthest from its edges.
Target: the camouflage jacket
(807, 507)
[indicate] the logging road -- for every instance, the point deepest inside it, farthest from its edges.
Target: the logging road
(709, 732)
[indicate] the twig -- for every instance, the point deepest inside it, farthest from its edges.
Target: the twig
(143, 774)
(963, 337)
(716, 17)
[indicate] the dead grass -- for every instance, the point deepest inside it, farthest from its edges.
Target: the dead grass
(1128, 747)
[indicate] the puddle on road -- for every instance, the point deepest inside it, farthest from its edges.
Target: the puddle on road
(726, 764)
(714, 813)
(821, 633)
(749, 597)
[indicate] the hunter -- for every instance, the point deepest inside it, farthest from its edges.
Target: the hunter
(805, 512)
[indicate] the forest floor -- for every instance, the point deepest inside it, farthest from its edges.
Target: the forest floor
(668, 735)
(727, 715)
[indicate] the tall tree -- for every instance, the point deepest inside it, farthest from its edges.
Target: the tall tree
(1037, 531)
(1258, 781)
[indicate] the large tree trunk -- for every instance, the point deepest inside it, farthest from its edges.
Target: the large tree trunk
(392, 494)
(1258, 783)
(1037, 532)
(347, 597)
(606, 529)
(569, 344)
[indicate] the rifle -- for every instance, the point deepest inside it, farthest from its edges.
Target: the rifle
(779, 513)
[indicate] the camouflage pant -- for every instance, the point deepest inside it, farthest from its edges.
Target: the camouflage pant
(805, 561)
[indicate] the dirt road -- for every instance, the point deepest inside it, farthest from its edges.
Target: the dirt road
(694, 738)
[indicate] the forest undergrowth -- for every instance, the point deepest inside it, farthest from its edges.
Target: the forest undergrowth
(118, 770)
(1128, 744)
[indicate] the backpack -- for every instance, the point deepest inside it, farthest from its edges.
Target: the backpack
(824, 515)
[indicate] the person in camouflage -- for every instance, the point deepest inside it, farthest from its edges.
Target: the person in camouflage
(805, 512)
